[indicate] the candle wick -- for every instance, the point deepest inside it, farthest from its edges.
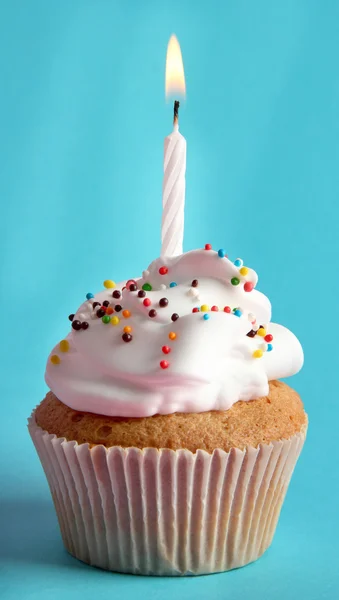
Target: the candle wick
(176, 112)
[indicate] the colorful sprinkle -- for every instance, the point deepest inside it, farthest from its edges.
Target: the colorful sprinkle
(235, 281)
(164, 364)
(95, 304)
(147, 287)
(269, 347)
(221, 253)
(152, 313)
(116, 294)
(71, 317)
(206, 317)
(147, 302)
(118, 307)
(133, 287)
(55, 360)
(84, 325)
(238, 262)
(237, 312)
(243, 271)
(126, 314)
(106, 319)
(268, 338)
(208, 246)
(214, 308)
(163, 302)
(108, 284)
(195, 283)
(127, 337)
(166, 349)
(248, 286)
(204, 308)
(64, 345)
(195, 310)
(227, 309)
(129, 283)
(175, 317)
(115, 320)
(127, 329)
(76, 325)
(261, 331)
(251, 333)
(106, 303)
(163, 270)
(109, 310)
(89, 296)
(257, 354)
(172, 335)
(101, 312)
(141, 294)
(173, 284)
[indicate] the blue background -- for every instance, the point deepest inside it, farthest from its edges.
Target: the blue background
(83, 118)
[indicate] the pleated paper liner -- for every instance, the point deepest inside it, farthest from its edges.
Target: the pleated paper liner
(165, 512)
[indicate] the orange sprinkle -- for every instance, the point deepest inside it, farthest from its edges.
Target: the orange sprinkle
(109, 310)
(126, 313)
(172, 335)
(55, 360)
(127, 329)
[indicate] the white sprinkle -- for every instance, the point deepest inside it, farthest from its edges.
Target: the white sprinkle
(163, 286)
(82, 316)
(145, 274)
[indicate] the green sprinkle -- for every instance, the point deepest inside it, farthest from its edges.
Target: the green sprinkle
(235, 281)
(147, 287)
(106, 319)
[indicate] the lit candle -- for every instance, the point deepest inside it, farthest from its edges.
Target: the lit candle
(173, 195)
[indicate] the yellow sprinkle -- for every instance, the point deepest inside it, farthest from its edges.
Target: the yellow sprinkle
(55, 359)
(64, 345)
(204, 308)
(257, 353)
(172, 335)
(126, 313)
(108, 283)
(243, 271)
(115, 320)
(261, 331)
(127, 329)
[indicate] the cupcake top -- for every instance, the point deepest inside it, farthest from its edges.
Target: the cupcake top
(191, 335)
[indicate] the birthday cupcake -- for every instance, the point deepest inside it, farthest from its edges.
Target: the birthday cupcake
(166, 439)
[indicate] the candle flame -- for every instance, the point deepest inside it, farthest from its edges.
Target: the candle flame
(175, 76)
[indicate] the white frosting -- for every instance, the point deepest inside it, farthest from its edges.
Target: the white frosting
(211, 363)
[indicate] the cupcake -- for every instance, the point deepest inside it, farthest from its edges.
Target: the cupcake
(166, 439)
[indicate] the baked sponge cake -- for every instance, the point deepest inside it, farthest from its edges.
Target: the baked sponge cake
(167, 441)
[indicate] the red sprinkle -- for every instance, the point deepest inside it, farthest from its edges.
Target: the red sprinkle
(147, 302)
(195, 309)
(166, 349)
(208, 246)
(268, 338)
(248, 286)
(163, 271)
(215, 308)
(164, 364)
(227, 309)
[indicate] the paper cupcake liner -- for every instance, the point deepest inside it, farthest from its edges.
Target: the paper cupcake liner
(165, 512)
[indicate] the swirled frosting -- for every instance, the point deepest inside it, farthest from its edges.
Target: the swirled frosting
(191, 335)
